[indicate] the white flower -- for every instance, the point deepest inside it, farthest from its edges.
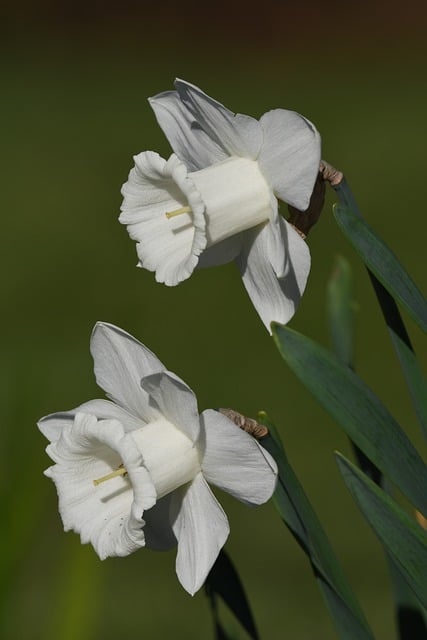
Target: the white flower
(216, 200)
(134, 472)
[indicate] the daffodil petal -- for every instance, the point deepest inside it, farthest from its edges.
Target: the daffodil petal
(275, 298)
(51, 425)
(290, 156)
(235, 462)
(107, 515)
(168, 246)
(236, 134)
(120, 363)
(106, 410)
(174, 400)
(201, 528)
(222, 252)
(158, 528)
(188, 140)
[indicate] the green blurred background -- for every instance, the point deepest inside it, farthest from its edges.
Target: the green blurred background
(75, 78)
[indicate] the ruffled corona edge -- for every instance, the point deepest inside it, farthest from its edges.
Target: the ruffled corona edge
(168, 246)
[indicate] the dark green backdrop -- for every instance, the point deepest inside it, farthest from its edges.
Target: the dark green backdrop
(75, 81)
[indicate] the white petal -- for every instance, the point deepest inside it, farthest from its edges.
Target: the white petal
(275, 298)
(168, 246)
(201, 528)
(221, 253)
(51, 425)
(107, 516)
(234, 461)
(120, 363)
(188, 140)
(158, 528)
(236, 134)
(175, 401)
(106, 410)
(290, 156)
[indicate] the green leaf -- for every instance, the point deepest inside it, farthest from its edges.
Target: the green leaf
(383, 263)
(358, 411)
(413, 375)
(341, 307)
(223, 581)
(298, 515)
(410, 618)
(402, 344)
(403, 538)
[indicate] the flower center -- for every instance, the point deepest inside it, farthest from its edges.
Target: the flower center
(168, 455)
(236, 197)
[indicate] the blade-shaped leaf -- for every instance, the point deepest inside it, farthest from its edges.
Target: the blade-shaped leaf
(385, 291)
(341, 306)
(223, 580)
(358, 411)
(410, 618)
(383, 263)
(411, 370)
(298, 515)
(403, 538)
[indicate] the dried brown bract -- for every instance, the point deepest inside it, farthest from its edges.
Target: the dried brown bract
(249, 425)
(330, 174)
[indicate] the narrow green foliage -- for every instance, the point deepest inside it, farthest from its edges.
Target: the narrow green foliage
(410, 619)
(341, 310)
(296, 512)
(389, 281)
(403, 538)
(410, 616)
(341, 307)
(223, 581)
(357, 410)
(382, 262)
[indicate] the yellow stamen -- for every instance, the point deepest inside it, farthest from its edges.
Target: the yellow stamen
(121, 471)
(178, 212)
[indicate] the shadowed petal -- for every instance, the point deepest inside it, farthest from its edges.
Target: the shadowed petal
(120, 363)
(186, 137)
(275, 298)
(158, 528)
(234, 461)
(236, 134)
(201, 528)
(221, 252)
(290, 156)
(175, 401)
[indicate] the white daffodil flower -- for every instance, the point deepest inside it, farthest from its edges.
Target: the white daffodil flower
(134, 471)
(215, 199)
